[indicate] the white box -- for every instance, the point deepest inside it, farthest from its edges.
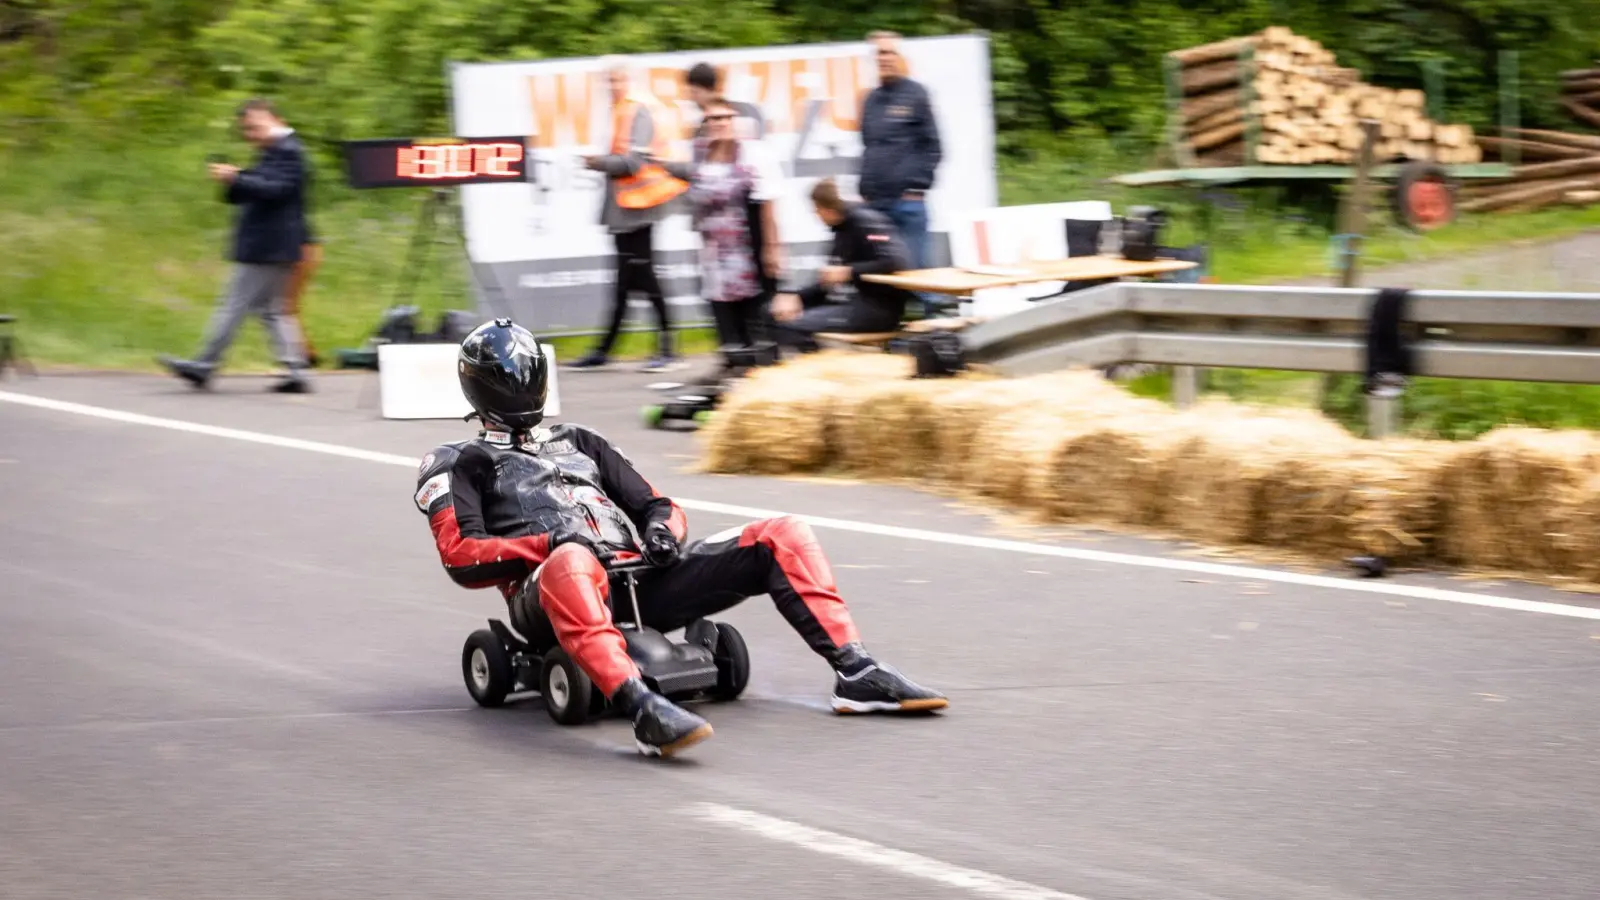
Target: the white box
(419, 381)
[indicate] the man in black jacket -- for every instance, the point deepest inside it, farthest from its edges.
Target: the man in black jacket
(900, 149)
(267, 242)
(864, 243)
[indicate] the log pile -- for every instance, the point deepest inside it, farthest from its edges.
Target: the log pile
(1306, 108)
(1561, 168)
(1580, 95)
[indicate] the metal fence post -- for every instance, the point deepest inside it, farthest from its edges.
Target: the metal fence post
(1382, 414)
(1185, 386)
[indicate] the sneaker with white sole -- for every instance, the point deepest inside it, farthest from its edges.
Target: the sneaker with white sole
(879, 688)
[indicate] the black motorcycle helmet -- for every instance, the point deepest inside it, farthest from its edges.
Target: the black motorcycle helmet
(505, 375)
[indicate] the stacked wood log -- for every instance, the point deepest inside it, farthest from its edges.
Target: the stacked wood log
(1580, 95)
(1561, 168)
(1306, 108)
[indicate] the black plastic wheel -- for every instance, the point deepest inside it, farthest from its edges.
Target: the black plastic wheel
(733, 663)
(568, 692)
(486, 667)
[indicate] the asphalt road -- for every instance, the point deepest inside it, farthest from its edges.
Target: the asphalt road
(231, 669)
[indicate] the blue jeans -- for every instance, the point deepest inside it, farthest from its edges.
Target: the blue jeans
(910, 218)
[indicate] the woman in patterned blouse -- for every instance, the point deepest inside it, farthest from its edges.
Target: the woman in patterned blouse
(733, 187)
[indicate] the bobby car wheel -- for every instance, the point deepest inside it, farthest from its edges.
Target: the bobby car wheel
(733, 663)
(486, 667)
(568, 692)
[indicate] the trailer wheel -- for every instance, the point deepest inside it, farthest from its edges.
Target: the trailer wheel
(1424, 196)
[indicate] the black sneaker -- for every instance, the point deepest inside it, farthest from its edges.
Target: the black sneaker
(592, 361)
(876, 687)
(663, 364)
(660, 727)
(195, 373)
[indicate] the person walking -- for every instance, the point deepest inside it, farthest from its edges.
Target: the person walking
(733, 192)
(269, 233)
(900, 150)
(638, 194)
(310, 261)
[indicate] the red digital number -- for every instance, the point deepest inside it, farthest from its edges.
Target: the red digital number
(434, 157)
(498, 159)
(431, 162)
(458, 161)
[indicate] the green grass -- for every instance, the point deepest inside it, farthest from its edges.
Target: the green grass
(1436, 408)
(106, 269)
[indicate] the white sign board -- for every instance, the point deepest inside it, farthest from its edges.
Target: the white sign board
(1012, 234)
(542, 243)
(419, 381)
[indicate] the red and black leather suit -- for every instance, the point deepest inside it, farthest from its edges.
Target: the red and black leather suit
(528, 514)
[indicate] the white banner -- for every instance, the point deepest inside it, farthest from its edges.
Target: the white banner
(542, 242)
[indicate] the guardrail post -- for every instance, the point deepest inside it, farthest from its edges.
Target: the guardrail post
(1185, 386)
(1382, 413)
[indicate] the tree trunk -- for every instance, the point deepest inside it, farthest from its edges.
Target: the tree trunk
(1216, 120)
(1209, 77)
(1231, 48)
(1216, 137)
(1581, 112)
(1584, 141)
(1197, 108)
(1535, 150)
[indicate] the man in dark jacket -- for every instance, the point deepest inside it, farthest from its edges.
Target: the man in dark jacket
(268, 238)
(864, 243)
(900, 148)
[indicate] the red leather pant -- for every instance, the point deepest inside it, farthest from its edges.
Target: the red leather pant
(780, 557)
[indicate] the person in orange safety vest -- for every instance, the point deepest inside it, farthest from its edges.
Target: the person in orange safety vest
(639, 193)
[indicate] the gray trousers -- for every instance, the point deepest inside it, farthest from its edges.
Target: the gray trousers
(256, 288)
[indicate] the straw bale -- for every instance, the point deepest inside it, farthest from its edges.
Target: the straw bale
(1584, 530)
(1116, 470)
(1012, 460)
(1368, 498)
(1227, 458)
(1517, 499)
(1075, 447)
(891, 429)
(781, 419)
(974, 412)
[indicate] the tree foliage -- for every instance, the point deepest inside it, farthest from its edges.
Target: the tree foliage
(347, 69)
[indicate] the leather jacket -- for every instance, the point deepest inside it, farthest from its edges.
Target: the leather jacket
(499, 504)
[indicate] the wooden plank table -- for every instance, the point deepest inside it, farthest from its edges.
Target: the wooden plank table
(962, 282)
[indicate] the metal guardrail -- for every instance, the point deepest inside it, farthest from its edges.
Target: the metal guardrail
(1509, 336)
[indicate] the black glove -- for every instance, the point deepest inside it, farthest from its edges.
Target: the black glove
(661, 548)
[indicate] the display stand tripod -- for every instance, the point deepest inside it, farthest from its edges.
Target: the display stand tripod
(438, 205)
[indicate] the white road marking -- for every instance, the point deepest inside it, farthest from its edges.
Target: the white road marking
(122, 724)
(1416, 592)
(978, 882)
